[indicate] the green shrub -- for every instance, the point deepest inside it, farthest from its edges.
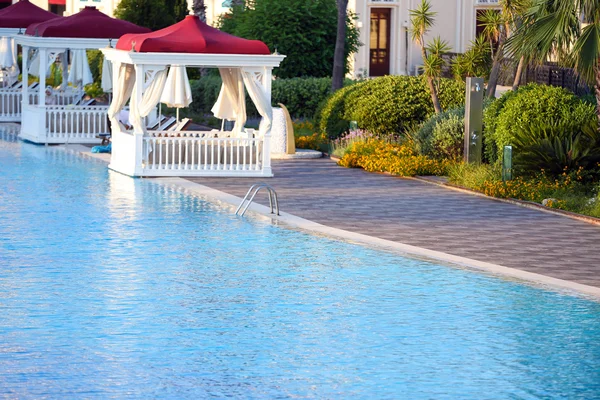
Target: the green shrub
(424, 135)
(330, 117)
(301, 96)
(95, 60)
(386, 105)
(447, 140)
(205, 92)
(529, 107)
(556, 145)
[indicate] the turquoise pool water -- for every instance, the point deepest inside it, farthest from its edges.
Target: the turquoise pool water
(115, 287)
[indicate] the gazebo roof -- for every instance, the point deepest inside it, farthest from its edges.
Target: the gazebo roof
(88, 23)
(191, 36)
(23, 14)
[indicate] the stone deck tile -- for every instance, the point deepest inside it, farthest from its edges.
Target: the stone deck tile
(432, 217)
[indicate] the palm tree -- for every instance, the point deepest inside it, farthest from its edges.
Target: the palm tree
(337, 80)
(199, 9)
(568, 31)
(498, 27)
(422, 19)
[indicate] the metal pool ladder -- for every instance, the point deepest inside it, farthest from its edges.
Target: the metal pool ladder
(243, 207)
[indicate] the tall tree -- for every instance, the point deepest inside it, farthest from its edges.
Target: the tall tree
(305, 31)
(422, 19)
(568, 31)
(153, 14)
(339, 61)
(180, 10)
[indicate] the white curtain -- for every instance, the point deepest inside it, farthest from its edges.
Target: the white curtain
(258, 94)
(231, 103)
(121, 93)
(8, 59)
(107, 83)
(80, 73)
(150, 98)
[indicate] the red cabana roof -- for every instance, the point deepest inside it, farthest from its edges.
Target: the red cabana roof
(23, 14)
(88, 23)
(191, 36)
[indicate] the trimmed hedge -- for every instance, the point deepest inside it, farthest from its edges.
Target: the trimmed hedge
(301, 96)
(386, 105)
(530, 107)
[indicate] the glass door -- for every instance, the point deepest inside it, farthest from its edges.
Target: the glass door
(379, 42)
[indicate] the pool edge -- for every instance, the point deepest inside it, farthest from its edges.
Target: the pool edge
(316, 228)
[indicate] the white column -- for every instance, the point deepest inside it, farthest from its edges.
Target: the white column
(65, 67)
(266, 83)
(138, 91)
(25, 77)
(43, 68)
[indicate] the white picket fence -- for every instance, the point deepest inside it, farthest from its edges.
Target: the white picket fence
(188, 151)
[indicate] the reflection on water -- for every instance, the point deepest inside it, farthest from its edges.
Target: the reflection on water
(119, 287)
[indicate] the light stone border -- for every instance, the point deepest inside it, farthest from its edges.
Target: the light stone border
(291, 221)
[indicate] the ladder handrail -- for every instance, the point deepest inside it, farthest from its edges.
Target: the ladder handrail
(273, 200)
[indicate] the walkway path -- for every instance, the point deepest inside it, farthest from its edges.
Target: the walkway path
(432, 217)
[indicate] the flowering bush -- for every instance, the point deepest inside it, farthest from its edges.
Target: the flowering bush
(306, 138)
(375, 155)
(567, 191)
(341, 145)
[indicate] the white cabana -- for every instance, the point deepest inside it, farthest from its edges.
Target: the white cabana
(61, 116)
(13, 20)
(140, 70)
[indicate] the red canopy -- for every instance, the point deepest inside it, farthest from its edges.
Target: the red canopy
(191, 36)
(88, 23)
(23, 14)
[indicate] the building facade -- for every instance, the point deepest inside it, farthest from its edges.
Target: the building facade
(387, 48)
(385, 32)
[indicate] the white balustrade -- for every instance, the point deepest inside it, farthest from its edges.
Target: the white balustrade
(10, 104)
(75, 124)
(189, 152)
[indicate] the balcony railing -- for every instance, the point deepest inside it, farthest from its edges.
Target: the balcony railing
(487, 2)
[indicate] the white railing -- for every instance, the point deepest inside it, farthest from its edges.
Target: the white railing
(189, 151)
(487, 2)
(75, 124)
(66, 97)
(10, 104)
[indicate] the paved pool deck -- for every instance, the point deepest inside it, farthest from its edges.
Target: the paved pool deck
(432, 217)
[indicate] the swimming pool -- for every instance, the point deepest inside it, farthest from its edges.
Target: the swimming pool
(116, 287)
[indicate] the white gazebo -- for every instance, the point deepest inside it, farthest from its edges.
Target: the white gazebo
(140, 67)
(58, 117)
(14, 19)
